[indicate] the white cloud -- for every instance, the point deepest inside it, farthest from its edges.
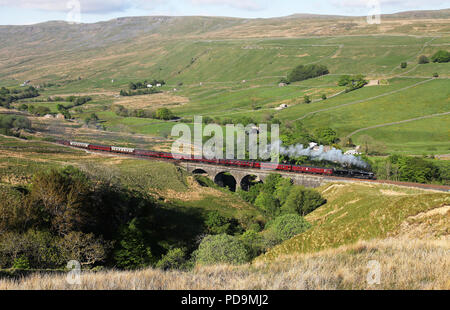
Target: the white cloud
(366, 3)
(249, 5)
(87, 6)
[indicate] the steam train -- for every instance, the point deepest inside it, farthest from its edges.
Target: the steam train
(225, 162)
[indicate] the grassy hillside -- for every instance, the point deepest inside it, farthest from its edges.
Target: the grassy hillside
(405, 264)
(363, 212)
(208, 59)
(20, 160)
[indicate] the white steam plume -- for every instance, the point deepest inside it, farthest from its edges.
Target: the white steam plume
(333, 155)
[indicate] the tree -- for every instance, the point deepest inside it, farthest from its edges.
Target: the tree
(164, 114)
(282, 190)
(423, 60)
(40, 111)
(132, 252)
(326, 135)
(268, 204)
(218, 224)
(324, 97)
(302, 201)
(403, 65)
(85, 248)
(222, 249)
(441, 56)
(307, 99)
(270, 183)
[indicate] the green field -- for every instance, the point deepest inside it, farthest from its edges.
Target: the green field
(233, 74)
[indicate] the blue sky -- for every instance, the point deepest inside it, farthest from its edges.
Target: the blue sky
(17, 12)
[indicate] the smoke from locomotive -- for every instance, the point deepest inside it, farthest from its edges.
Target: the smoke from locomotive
(320, 154)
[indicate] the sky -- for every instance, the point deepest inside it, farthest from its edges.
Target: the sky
(25, 12)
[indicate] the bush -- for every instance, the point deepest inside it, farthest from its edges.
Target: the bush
(287, 226)
(253, 242)
(423, 60)
(403, 65)
(307, 99)
(352, 82)
(174, 259)
(222, 249)
(435, 75)
(21, 263)
(218, 224)
(441, 57)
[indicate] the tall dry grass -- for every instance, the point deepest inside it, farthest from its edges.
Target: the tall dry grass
(405, 264)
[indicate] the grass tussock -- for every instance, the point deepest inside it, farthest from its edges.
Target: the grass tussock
(404, 263)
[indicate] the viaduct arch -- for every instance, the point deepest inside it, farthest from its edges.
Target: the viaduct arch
(242, 175)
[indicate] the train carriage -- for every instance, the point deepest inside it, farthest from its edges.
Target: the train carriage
(122, 149)
(227, 162)
(100, 148)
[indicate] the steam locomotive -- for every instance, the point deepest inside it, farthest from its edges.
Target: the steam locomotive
(348, 173)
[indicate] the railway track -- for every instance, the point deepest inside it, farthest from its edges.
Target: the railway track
(434, 187)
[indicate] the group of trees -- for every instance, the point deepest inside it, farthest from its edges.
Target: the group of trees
(296, 133)
(8, 96)
(144, 84)
(279, 196)
(304, 72)
(161, 113)
(67, 214)
(409, 169)
(352, 82)
(10, 124)
(64, 215)
(439, 57)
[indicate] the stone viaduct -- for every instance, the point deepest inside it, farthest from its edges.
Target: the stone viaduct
(242, 175)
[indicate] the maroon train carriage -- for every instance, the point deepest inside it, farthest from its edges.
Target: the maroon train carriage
(226, 162)
(99, 148)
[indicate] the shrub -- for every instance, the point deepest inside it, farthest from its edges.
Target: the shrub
(435, 75)
(352, 82)
(307, 99)
(324, 97)
(287, 226)
(222, 249)
(423, 60)
(174, 259)
(21, 263)
(403, 65)
(253, 242)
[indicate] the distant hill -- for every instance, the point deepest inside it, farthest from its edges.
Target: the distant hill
(55, 50)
